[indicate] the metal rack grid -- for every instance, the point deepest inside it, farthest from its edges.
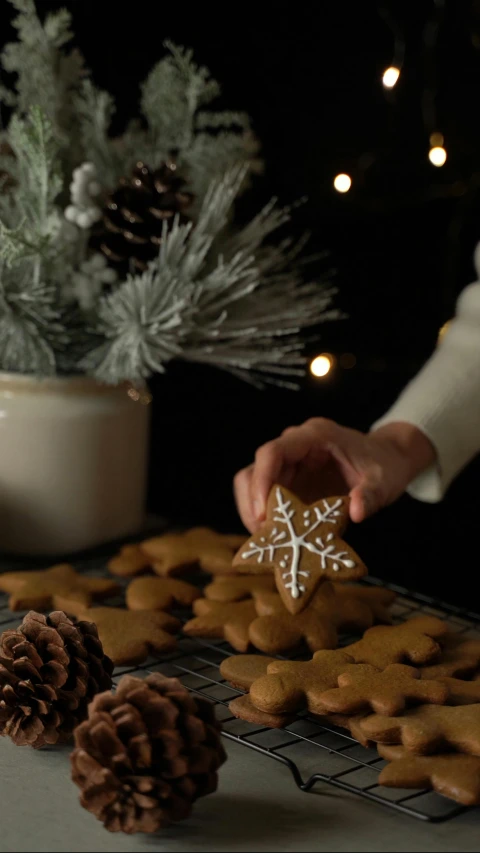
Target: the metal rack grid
(312, 751)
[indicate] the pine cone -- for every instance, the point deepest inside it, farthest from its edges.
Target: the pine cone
(146, 754)
(50, 669)
(131, 230)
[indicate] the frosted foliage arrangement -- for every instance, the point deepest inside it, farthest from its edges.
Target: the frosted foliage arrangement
(215, 293)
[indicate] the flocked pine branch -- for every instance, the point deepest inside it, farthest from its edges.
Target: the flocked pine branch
(235, 314)
(30, 325)
(175, 105)
(45, 73)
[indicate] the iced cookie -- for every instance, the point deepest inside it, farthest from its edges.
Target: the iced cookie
(301, 543)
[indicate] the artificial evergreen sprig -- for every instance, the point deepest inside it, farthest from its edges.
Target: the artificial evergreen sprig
(216, 293)
(239, 310)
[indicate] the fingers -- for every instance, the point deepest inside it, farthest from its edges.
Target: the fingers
(366, 497)
(243, 497)
(276, 462)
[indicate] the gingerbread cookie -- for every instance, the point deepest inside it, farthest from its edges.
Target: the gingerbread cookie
(200, 547)
(428, 729)
(290, 686)
(460, 657)
(377, 598)
(454, 776)
(149, 593)
(127, 636)
(129, 561)
(36, 590)
(242, 670)
(413, 641)
(238, 587)
(461, 692)
(302, 544)
(281, 632)
(227, 620)
(362, 687)
(242, 708)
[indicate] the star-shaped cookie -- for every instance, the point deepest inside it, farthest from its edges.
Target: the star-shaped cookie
(127, 636)
(302, 544)
(36, 590)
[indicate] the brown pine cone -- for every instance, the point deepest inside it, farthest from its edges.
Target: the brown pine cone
(130, 233)
(146, 754)
(50, 669)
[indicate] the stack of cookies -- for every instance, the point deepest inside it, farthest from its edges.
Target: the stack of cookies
(409, 688)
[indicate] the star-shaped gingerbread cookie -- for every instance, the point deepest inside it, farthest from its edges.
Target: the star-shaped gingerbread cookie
(36, 590)
(302, 544)
(127, 636)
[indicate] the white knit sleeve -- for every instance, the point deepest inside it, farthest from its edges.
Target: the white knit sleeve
(443, 400)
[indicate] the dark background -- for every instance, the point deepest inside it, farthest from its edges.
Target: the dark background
(401, 240)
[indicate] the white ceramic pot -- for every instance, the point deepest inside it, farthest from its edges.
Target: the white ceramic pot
(73, 459)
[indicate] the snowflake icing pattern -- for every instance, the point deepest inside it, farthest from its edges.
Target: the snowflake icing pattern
(328, 552)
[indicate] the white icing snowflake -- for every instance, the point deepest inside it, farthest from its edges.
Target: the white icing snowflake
(288, 538)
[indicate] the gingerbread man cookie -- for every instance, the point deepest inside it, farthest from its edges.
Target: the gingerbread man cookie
(36, 590)
(243, 708)
(228, 620)
(454, 776)
(302, 544)
(242, 670)
(428, 729)
(129, 561)
(362, 688)
(149, 593)
(460, 657)
(200, 547)
(290, 686)
(461, 692)
(413, 641)
(377, 598)
(276, 631)
(127, 636)
(237, 587)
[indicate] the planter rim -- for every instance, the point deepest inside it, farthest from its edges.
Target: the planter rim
(74, 384)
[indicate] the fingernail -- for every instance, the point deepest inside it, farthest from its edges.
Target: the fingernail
(258, 508)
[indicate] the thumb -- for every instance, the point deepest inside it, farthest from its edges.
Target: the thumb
(365, 500)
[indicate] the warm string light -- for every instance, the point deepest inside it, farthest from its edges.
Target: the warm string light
(390, 77)
(391, 74)
(321, 365)
(342, 183)
(437, 154)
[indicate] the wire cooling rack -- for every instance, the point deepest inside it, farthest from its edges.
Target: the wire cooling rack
(311, 751)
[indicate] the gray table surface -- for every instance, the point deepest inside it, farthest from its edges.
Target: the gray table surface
(256, 807)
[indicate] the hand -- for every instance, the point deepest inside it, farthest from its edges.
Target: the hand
(321, 458)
